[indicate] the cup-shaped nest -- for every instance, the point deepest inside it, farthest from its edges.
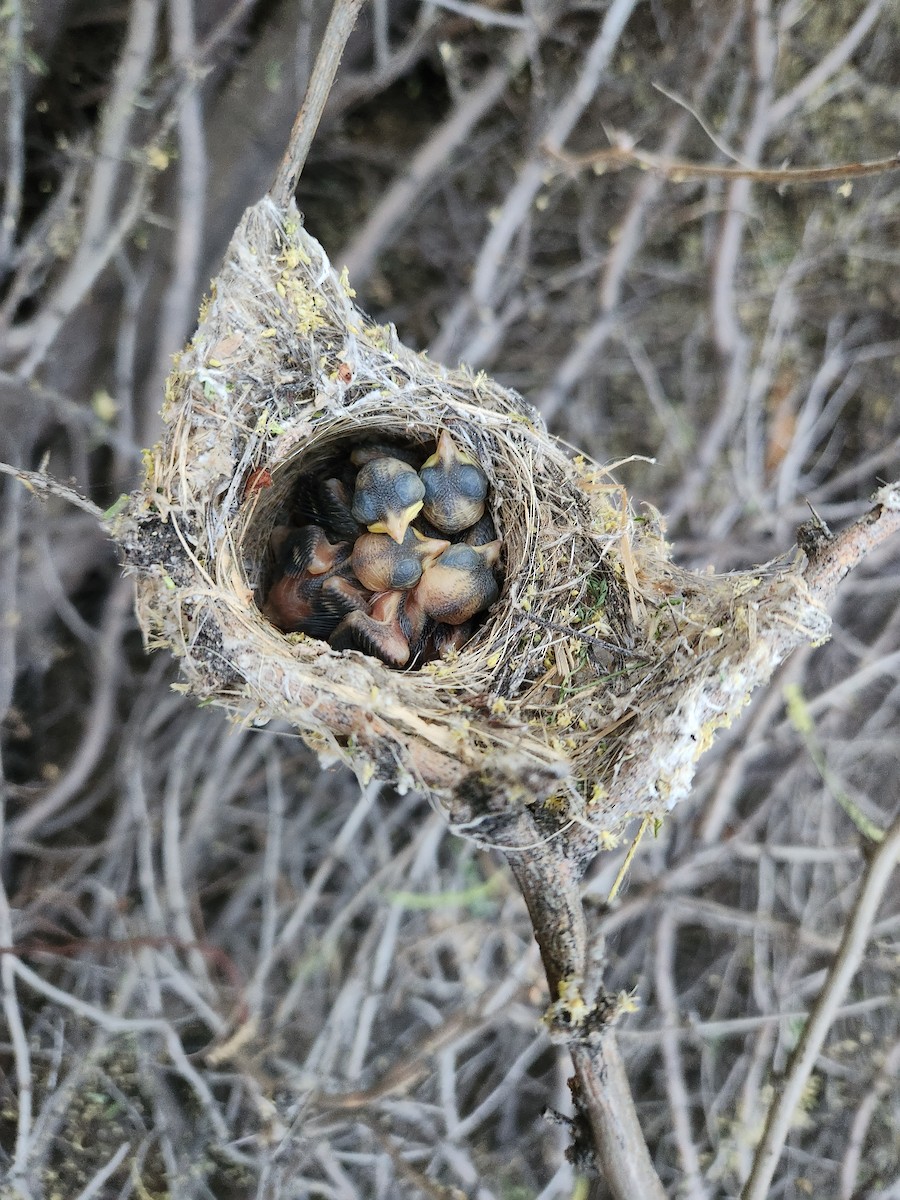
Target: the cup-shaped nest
(595, 647)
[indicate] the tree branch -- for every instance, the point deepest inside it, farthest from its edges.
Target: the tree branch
(832, 556)
(605, 1113)
(623, 154)
(340, 25)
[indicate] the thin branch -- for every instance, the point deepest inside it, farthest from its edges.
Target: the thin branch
(92, 1188)
(18, 1034)
(633, 231)
(560, 124)
(340, 25)
(828, 66)
(115, 127)
(484, 15)
(849, 956)
(605, 1097)
(179, 303)
(15, 136)
(832, 556)
(132, 1025)
(882, 1085)
(99, 720)
(676, 1085)
(43, 485)
(37, 335)
(550, 883)
(682, 170)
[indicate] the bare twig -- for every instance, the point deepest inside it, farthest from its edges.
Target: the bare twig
(131, 1025)
(849, 956)
(683, 171)
(340, 25)
(560, 125)
(37, 336)
(606, 1100)
(863, 1119)
(17, 1034)
(178, 307)
(93, 1186)
(15, 135)
(485, 15)
(43, 485)
(100, 235)
(632, 233)
(550, 883)
(679, 1100)
(832, 557)
(99, 718)
(786, 105)
(519, 201)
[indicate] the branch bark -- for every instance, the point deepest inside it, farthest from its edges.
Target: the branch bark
(340, 25)
(606, 1118)
(831, 557)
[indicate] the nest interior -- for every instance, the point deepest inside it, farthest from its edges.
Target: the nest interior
(600, 673)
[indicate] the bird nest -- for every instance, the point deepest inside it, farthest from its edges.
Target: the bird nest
(598, 675)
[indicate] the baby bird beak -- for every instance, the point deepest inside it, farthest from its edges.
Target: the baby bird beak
(490, 551)
(396, 522)
(387, 495)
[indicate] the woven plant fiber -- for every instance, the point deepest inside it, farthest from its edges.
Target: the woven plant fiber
(597, 678)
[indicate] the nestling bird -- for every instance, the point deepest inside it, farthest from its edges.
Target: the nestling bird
(455, 487)
(447, 639)
(376, 632)
(306, 549)
(310, 595)
(459, 585)
(361, 455)
(379, 563)
(388, 495)
(326, 503)
(481, 533)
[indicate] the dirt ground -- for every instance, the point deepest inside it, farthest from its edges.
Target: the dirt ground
(237, 973)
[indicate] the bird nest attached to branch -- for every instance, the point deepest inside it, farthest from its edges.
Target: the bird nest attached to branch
(597, 677)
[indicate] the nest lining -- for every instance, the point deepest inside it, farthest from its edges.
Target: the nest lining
(597, 647)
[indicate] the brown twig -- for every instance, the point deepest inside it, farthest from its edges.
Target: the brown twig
(548, 868)
(340, 25)
(683, 171)
(832, 556)
(605, 1096)
(45, 485)
(550, 883)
